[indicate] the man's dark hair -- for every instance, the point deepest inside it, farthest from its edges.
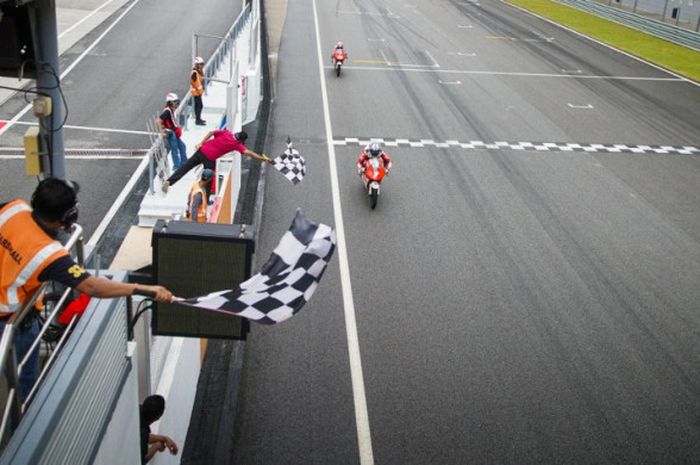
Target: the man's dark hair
(241, 136)
(53, 197)
(152, 408)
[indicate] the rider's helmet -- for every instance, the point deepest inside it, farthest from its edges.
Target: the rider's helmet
(171, 98)
(198, 60)
(339, 45)
(374, 149)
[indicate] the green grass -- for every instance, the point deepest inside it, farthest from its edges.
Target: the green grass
(677, 58)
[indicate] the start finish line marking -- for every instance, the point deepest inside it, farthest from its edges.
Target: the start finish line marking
(522, 146)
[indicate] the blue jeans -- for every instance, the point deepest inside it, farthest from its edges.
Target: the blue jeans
(177, 150)
(24, 337)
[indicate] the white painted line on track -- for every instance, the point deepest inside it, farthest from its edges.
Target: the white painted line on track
(364, 438)
(85, 18)
(587, 106)
(462, 54)
(449, 83)
(524, 146)
(421, 69)
(566, 28)
(99, 231)
(435, 63)
(91, 128)
(465, 26)
(24, 111)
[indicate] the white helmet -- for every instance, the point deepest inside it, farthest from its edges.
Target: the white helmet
(171, 97)
(339, 45)
(198, 60)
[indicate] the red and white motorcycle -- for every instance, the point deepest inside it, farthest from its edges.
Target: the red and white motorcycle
(372, 166)
(339, 56)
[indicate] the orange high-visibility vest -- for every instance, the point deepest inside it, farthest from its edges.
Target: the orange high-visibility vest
(202, 209)
(25, 250)
(196, 86)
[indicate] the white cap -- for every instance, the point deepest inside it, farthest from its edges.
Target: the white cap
(198, 60)
(171, 97)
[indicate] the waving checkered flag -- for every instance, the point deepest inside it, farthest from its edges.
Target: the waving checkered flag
(285, 283)
(290, 163)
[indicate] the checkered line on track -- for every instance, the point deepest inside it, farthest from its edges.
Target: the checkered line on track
(524, 146)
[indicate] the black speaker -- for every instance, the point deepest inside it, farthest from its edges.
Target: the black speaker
(193, 259)
(16, 42)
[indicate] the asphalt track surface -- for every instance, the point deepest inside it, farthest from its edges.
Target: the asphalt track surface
(118, 86)
(512, 306)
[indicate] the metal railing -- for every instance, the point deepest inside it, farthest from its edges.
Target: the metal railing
(158, 153)
(91, 383)
(211, 68)
(10, 370)
(651, 26)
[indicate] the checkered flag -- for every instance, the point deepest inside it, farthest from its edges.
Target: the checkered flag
(285, 283)
(290, 163)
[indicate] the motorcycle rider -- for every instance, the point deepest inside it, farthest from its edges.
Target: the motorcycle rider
(373, 149)
(339, 48)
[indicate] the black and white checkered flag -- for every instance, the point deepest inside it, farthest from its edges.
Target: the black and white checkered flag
(291, 164)
(286, 281)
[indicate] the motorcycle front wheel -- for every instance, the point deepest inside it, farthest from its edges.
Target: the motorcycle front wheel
(373, 197)
(337, 70)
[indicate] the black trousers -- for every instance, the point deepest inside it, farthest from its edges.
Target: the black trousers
(197, 159)
(198, 107)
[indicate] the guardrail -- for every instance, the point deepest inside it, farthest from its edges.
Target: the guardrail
(157, 164)
(67, 421)
(651, 26)
(10, 369)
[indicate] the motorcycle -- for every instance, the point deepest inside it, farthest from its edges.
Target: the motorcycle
(372, 175)
(338, 60)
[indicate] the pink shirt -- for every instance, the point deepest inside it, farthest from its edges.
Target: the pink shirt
(222, 143)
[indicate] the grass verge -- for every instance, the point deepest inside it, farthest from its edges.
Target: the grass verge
(676, 58)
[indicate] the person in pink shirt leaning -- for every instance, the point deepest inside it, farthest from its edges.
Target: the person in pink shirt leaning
(208, 151)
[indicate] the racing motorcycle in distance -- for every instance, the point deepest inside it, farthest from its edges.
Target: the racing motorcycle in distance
(339, 56)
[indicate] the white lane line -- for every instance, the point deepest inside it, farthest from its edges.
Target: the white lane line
(462, 54)
(587, 106)
(24, 111)
(418, 69)
(449, 83)
(566, 28)
(435, 63)
(526, 146)
(118, 203)
(91, 128)
(85, 18)
(464, 26)
(364, 438)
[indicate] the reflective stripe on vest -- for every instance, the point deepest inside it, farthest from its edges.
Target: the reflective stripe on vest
(202, 209)
(28, 270)
(12, 211)
(197, 88)
(26, 251)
